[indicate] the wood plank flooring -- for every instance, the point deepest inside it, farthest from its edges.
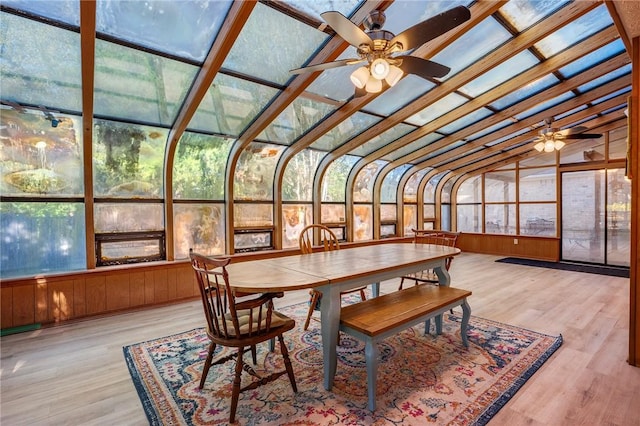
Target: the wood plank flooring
(75, 374)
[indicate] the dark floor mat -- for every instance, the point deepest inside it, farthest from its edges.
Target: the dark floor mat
(576, 267)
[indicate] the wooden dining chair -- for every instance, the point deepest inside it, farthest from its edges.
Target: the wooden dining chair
(240, 324)
(436, 237)
(329, 242)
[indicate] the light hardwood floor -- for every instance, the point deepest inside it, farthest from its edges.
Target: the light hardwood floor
(75, 374)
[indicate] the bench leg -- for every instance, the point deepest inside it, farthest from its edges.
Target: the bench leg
(371, 358)
(466, 314)
(427, 325)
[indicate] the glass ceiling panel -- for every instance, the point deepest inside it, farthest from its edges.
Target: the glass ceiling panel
(36, 71)
(139, 86)
(523, 14)
(483, 38)
(509, 136)
(568, 113)
(626, 69)
(592, 59)
(404, 14)
(67, 11)
(465, 121)
(489, 129)
(545, 105)
(334, 182)
(344, 131)
(316, 7)
(199, 167)
(525, 92)
(299, 116)
(272, 43)
(230, 105)
(383, 139)
(297, 182)
(408, 89)
(183, 28)
(498, 75)
(389, 188)
(363, 185)
(253, 177)
(413, 146)
(611, 95)
(435, 110)
(575, 31)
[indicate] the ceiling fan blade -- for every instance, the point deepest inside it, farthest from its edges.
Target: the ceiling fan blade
(431, 28)
(326, 65)
(573, 130)
(422, 67)
(346, 29)
(583, 136)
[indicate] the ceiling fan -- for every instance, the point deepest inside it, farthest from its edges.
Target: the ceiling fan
(377, 48)
(553, 139)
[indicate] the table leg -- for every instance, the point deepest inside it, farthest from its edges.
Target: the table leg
(375, 289)
(466, 314)
(371, 359)
(444, 278)
(330, 323)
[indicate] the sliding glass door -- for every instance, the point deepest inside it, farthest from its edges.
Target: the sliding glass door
(596, 217)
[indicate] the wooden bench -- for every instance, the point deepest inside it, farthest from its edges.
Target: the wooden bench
(380, 317)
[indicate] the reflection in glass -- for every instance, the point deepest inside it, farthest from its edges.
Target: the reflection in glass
(410, 217)
(39, 238)
(128, 160)
(253, 177)
(537, 184)
(500, 219)
(294, 218)
(363, 186)
(335, 179)
(410, 194)
(198, 226)
(618, 140)
(538, 219)
(252, 215)
(297, 182)
(37, 159)
(362, 222)
(199, 167)
(230, 105)
(389, 188)
(500, 186)
(333, 213)
(618, 218)
(137, 85)
(128, 217)
(36, 70)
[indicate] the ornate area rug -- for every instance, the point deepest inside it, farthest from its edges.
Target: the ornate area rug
(421, 378)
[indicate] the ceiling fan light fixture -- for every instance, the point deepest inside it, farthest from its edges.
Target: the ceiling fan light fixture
(394, 76)
(374, 85)
(558, 145)
(380, 69)
(360, 77)
(539, 146)
(549, 146)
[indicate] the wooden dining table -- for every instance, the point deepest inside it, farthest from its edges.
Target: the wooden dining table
(333, 272)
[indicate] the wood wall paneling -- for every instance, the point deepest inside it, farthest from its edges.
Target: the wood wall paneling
(503, 245)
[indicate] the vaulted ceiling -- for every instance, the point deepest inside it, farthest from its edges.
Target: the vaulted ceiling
(225, 68)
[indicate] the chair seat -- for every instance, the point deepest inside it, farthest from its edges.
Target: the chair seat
(244, 319)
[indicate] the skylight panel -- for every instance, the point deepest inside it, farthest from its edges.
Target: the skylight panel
(523, 14)
(186, 28)
(592, 59)
(413, 146)
(299, 116)
(488, 130)
(382, 139)
(404, 14)
(475, 43)
(272, 43)
(316, 7)
(37, 76)
(67, 11)
(545, 105)
(128, 84)
(626, 69)
(525, 92)
(498, 75)
(406, 91)
(334, 83)
(230, 105)
(465, 121)
(575, 31)
(344, 131)
(437, 109)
